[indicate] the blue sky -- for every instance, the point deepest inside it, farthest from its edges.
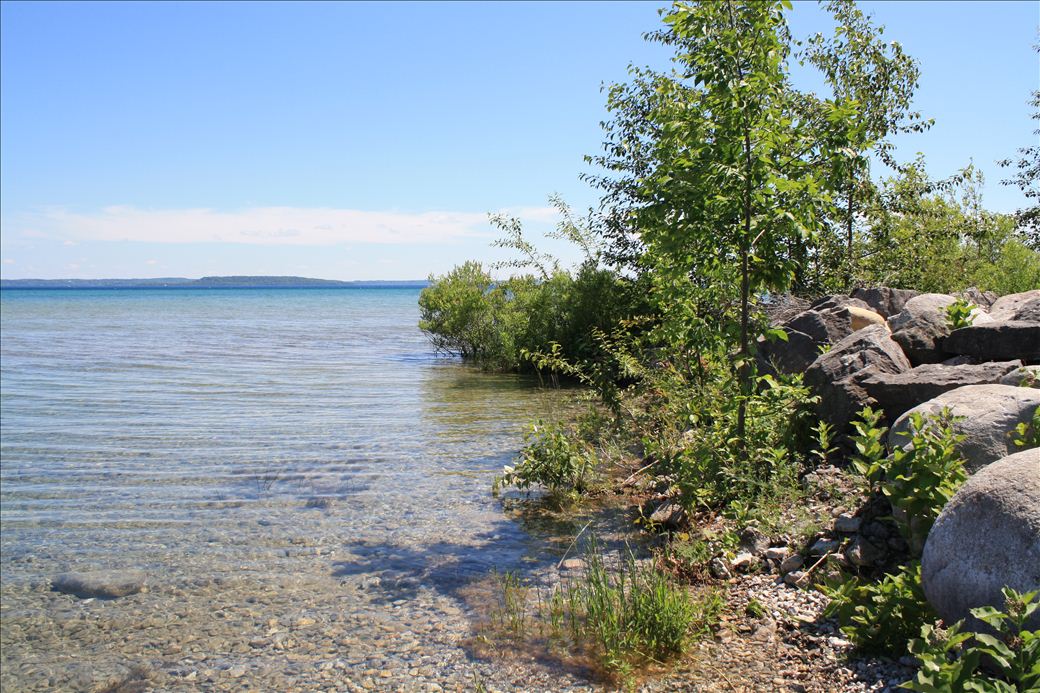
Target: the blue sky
(369, 140)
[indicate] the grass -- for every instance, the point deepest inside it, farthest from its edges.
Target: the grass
(613, 619)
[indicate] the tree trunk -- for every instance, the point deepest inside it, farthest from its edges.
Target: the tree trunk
(744, 372)
(849, 263)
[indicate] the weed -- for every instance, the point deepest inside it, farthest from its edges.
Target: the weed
(754, 609)
(918, 479)
(958, 314)
(880, 617)
(952, 662)
(554, 458)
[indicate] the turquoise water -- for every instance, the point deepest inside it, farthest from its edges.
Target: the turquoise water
(268, 451)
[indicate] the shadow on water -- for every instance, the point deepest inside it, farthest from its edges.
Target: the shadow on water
(444, 567)
(532, 540)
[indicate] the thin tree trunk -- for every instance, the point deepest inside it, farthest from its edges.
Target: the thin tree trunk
(849, 264)
(744, 372)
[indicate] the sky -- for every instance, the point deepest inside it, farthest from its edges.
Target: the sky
(371, 140)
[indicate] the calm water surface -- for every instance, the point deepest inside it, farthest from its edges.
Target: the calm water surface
(268, 458)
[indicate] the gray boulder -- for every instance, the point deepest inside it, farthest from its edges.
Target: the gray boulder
(996, 341)
(982, 299)
(986, 538)
(1026, 376)
(100, 584)
(884, 300)
(1005, 307)
(921, 327)
(826, 326)
(833, 375)
(837, 301)
(988, 417)
(1030, 312)
(897, 392)
(792, 356)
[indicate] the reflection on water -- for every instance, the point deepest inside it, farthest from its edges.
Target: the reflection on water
(252, 451)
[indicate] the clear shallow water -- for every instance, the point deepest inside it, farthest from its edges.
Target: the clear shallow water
(269, 453)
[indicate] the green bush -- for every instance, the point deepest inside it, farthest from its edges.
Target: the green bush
(880, 617)
(918, 478)
(958, 314)
(460, 311)
(953, 661)
(699, 445)
(552, 457)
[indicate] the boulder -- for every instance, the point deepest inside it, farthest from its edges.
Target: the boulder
(996, 341)
(884, 300)
(1005, 307)
(864, 317)
(1026, 376)
(837, 301)
(826, 326)
(897, 392)
(982, 299)
(1030, 312)
(921, 327)
(100, 584)
(986, 538)
(792, 356)
(833, 374)
(988, 417)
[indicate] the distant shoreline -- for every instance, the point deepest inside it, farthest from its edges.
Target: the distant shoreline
(230, 282)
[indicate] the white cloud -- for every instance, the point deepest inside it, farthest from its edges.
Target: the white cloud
(8, 261)
(151, 262)
(261, 226)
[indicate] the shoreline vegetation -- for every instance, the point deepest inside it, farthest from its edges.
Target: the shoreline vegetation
(753, 388)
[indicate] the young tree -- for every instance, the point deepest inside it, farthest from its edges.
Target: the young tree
(730, 190)
(873, 84)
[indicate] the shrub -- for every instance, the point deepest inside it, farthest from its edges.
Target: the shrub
(958, 314)
(552, 457)
(952, 661)
(459, 312)
(918, 479)
(880, 617)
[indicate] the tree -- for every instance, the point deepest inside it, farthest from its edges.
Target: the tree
(873, 84)
(1027, 179)
(725, 189)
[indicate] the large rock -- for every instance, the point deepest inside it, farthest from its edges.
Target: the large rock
(884, 300)
(833, 374)
(807, 333)
(827, 326)
(792, 356)
(986, 538)
(898, 392)
(1005, 307)
(864, 317)
(1030, 312)
(1026, 376)
(982, 299)
(988, 415)
(996, 341)
(921, 327)
(100, 584)
(837, 301)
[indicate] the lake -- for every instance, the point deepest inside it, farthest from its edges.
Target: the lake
(302, 482)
